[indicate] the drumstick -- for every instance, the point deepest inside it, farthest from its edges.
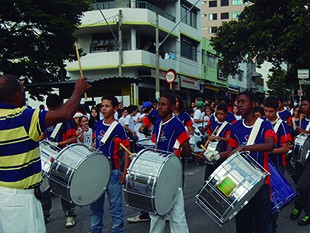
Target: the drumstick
(208, 141)
(131, 155)
(80, 66)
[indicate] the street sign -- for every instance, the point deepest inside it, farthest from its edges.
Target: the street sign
(170, 76)
(303, 73)
(304, 82)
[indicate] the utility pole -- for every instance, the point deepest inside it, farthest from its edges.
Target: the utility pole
(120, 44)
(157, 81)
(157, 45)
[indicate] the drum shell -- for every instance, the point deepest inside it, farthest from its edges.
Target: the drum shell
(153, 181)
(281, 191)
(301, 150)
(246, 175)
(79, 175)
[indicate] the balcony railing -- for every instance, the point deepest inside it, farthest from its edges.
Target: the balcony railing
(131, 4)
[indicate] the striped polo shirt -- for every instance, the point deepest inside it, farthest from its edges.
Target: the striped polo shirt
(20, 128)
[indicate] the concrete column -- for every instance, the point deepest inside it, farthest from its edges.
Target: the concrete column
(133, 38)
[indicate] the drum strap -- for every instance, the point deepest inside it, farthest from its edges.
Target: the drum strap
(55, 131)
(221, 128)
(308, 127)
(109, 131)
(294, 123)
(254, 131)
(277, 125)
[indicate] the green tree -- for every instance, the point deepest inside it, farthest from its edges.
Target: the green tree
(275, 31)
(36, 37)
(278, 85)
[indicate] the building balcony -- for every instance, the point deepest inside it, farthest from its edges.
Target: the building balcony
(132, 4)
(132, 59)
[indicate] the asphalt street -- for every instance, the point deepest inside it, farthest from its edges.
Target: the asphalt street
(197, 219)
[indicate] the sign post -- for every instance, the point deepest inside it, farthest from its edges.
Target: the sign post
(302, 74)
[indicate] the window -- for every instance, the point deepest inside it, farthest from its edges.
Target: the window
(211, 60)
(189, 48)
(236, 2)
(224, 2)
(204, 15)
(213, 29)
(240, 75)
(235, 14)
(213, 16)
(225, 15)
(212, 3)
(102, 42)
(191, 17)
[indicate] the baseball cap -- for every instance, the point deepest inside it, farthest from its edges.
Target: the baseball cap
(78, 114)
(147, 104)
(199, 104)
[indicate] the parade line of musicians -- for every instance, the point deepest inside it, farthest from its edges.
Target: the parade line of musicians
(24, 207)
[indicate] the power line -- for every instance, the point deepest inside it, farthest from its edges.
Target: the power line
(107, 23)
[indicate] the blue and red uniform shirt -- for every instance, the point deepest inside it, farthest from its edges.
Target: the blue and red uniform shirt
(283, 135)
(304, 123)
(224, 132)
(111, 148)
(166, 134)
(230, 118)
(151, 118)
(67, 130)
(285, 115)
(185, 118)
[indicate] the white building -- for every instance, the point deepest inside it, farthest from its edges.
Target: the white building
(119, 39)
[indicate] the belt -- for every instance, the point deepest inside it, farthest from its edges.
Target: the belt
(15, 191)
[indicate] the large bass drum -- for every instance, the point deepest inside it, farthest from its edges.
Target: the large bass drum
(301, 150)
(153, 181)
(231, 186)
(79, 175)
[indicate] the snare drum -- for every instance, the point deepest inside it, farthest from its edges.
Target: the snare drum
(301, 150)
(79, 175)
(281, 191)
(47, 152)
(231, 186)
(153, 181)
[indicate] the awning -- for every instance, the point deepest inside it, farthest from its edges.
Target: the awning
(104, 80)
(104, 86)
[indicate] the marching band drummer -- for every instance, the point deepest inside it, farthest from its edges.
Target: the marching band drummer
(20, 172)
(256, 215)
(302, 202)
(278, 154)
(61, 137)
(170, 135)
(109, 136)
(218, 130)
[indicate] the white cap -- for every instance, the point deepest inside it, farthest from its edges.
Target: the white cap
(78, 114)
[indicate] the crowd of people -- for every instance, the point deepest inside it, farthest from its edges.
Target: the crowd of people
(166, 122)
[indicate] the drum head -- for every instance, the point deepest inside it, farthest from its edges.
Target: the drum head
(168, 184)
(89, 181)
